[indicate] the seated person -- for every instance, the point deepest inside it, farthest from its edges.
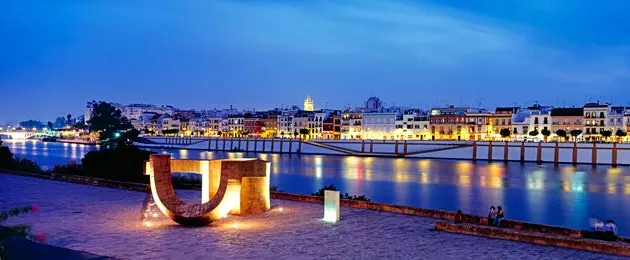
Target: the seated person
(459, 217)
(492, 215)
(500, 216)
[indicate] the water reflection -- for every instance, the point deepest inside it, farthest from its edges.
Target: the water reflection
(563, 195)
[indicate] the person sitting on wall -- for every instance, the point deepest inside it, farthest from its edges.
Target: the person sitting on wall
(599, 225)
(500, 216)
(492, 215)
(459, 217)
(610, 230)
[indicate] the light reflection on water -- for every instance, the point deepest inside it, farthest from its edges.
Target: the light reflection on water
(563, 195)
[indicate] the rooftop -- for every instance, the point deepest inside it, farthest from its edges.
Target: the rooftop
(567, 111)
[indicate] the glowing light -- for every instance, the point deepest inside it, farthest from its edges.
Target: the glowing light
(147, 223)
(331, 206)
(235, 225)
(281, 209)
(155, 215)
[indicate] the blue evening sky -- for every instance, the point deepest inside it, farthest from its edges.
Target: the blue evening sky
(56, 55)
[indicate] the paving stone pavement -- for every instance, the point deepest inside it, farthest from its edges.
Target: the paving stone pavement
(107, 222)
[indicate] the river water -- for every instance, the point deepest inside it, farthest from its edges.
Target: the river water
(558, 195)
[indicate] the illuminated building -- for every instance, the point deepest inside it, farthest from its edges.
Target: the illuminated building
(351, 125)
(540, 119)
(378, 125)
(412, 125)
(595, 120)
(332, 125)
(502, 119)
(448, 123)
(308, 104)
(567, 119)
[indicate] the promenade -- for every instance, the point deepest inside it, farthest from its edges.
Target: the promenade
(106, 222)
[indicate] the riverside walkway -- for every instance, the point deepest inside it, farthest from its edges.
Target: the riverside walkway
(107, 222)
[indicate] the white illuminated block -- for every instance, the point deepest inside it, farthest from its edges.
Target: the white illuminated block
(331, 206)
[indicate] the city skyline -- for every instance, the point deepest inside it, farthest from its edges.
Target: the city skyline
(413, 53)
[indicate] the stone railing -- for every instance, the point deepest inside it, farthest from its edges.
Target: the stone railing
(81, 180)
(537, 238)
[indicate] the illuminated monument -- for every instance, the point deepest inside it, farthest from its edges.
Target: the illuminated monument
(237, 186)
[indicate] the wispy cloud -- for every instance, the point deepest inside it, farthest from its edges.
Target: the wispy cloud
(429, 34)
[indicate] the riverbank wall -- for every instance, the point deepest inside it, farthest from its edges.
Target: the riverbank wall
(541, 152)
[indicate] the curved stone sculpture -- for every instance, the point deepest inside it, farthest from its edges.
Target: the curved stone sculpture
(238, 186)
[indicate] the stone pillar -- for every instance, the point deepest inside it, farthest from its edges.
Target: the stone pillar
(224, 144)
(231, 143)
(522, 152)
(506, 152)
(556, 153)
(490, 151)
(247, 144)
(575, 153)
(363, 146)
(396, 147)
(299, 146)
(239, 142)
(290, 145)
(594, 154)
(216, 144)
(405, 147)
(539, 153)
(614, 155)
(255, 144)
(331, 206)
(281, 142)
(264, 141)
(371, 146)
(474, 152)
(273, 141)
(254, 195)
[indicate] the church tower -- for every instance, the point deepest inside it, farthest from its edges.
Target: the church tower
(308, 103)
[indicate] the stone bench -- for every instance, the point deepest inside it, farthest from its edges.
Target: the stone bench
(617, 248)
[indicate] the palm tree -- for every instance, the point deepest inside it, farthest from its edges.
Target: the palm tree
(282, 134)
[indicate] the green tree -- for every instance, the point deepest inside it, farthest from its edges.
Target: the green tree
(107, 121)
(546, 133)
(30, 124)
(575, 133)
(505, 133)
(533, 133)
(606, 134)
(305, 132)
(621, 134)
(219, 133)
(282, 134)
(296, 134)
(562, 133)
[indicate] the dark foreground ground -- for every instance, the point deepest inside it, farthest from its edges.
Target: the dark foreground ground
(107, 222)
